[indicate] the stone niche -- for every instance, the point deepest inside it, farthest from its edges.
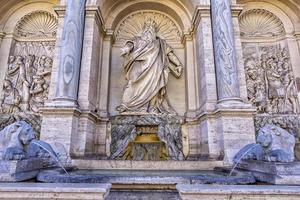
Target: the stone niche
(131, 26)
(270, 77)
(142, 136)
(27, 79)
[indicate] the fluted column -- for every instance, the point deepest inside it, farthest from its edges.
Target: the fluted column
(224, 51)
(71, 51)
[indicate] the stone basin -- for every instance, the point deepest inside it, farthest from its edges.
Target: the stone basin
(150, 177)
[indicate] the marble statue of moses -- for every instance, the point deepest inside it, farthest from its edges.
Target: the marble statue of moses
(148, 60)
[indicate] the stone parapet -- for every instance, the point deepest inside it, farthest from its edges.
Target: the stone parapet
(42, 191)
(237, 192)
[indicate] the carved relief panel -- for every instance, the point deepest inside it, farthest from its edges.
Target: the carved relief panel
(27, 78)
(270, 80)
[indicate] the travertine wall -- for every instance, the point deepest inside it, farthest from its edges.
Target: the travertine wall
(212, 132)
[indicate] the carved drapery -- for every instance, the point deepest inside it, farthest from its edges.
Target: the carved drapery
(132, 25)
(224, 49)
(27, 80)
(71, 50)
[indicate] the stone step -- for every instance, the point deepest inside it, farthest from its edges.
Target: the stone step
(147, 165)
(238, 192)
(51, 191)
(143, 195)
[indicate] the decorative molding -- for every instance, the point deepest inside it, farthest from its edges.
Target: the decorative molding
(37, 25)
(2, 35)
(200, 12)
(132, 25)
(260, 23)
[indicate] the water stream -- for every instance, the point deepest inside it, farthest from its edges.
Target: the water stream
(50, 152)
(239, 160)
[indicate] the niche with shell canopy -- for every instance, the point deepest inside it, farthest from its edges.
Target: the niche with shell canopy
(131, 26)
(29, 68)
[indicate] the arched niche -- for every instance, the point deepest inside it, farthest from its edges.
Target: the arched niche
(268, 62)
(136, 12)
(27, 50)
(286, 10)
(109, 6)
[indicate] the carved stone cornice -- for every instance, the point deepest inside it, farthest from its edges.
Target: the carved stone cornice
(95, 12)
(66, 111)
(200, 12)
(236, 9)
(297, 36)
(91, 12)
(2, 35)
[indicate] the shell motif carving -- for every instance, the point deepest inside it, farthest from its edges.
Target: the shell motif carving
(260, 23)
(132, 26)
(37, 25)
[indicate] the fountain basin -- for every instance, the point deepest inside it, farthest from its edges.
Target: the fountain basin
(149, 177)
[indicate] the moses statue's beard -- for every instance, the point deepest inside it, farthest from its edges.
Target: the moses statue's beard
(149, 35)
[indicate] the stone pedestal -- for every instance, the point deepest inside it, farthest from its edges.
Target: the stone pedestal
(148, 150)
(273, 172)
(126, 128)
(21, 170)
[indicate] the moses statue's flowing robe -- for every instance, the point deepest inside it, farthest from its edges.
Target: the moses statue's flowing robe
(147, 69)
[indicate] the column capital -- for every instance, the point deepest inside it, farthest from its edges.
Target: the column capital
(2, 35)
(200, 12)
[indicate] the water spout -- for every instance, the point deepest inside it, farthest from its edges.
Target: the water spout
(240, 158)
(51, 153)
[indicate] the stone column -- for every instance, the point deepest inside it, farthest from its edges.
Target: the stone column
(71, 51)
(224, 50)
(233, 116)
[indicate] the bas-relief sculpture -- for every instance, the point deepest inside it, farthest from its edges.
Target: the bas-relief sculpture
(270, 81)
(27, 79)
(148, 60)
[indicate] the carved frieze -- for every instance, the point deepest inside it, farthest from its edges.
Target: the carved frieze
(27, 79)
(132, 26)
(270, 80)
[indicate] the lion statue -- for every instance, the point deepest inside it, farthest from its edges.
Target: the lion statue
(15, 139)
(274, 144)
